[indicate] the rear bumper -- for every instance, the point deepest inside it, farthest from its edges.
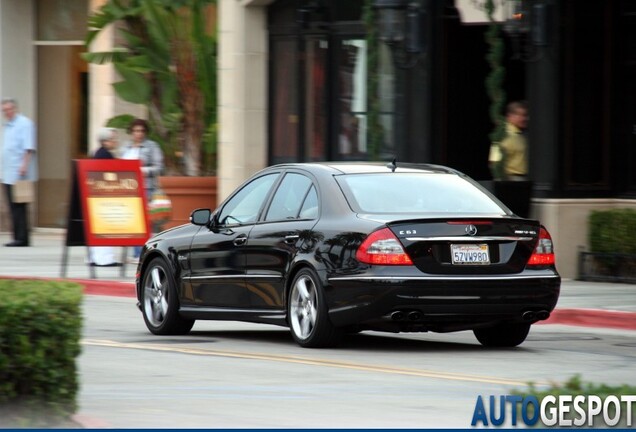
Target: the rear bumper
(440, 303)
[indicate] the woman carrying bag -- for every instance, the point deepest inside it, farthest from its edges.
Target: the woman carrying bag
(150, 157)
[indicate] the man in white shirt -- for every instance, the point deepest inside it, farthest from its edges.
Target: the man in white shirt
(18, 163)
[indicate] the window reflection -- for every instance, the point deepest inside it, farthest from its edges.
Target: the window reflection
(243, 208)
(284, 102)
(316, 99)
(386, 102)
(352, 99)
(325, 102)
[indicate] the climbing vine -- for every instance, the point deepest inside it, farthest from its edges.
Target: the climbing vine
(375, 132)
(495, 78)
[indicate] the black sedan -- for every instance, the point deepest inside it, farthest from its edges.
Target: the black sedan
(331, 248)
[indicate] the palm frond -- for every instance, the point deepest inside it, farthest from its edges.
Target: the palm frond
(121, 121)
(118, 55)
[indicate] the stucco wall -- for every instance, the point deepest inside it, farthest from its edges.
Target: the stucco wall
(17, 69)
(566, 220)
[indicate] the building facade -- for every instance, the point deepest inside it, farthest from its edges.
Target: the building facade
(308, 80)
(298, 84)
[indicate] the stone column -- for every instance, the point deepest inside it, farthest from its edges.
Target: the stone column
(242, 105)
(104, 103)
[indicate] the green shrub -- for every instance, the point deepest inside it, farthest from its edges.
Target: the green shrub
(575, 386)
(612, 231)
(40, 329)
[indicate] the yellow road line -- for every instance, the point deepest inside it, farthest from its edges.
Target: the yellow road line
(308, 361)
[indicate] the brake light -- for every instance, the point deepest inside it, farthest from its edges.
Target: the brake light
(544, 252)
(382, 247)
(469, 222)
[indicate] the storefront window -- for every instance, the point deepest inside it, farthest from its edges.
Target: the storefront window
(325, 103)
(352, 99)
(316, 99)
(386, 103)
(284, 101)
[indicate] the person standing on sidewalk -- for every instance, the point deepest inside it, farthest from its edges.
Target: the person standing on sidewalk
(515, 145)
(150, 157)
(104, 256)
(18, 163)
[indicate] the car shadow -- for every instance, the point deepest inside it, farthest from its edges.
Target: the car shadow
(364, 341)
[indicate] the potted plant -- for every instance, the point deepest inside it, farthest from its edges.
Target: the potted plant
(167, 62)
(612, 247)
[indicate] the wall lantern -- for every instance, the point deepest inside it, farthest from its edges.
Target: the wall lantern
(529, 21)
(517, 17)
(400, 24)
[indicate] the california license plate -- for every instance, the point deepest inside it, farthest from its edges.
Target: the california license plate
(472, 254)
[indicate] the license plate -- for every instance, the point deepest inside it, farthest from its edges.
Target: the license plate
(472, 254)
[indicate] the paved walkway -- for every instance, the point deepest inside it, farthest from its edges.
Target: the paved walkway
(593, 304)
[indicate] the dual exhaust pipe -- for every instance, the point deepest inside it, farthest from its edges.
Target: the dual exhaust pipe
(535, 315)
(414, 315)
(400, 315)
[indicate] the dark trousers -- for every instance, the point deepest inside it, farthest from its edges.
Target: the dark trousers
(19, 217)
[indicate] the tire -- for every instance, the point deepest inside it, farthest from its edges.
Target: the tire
(307, 312)
(159, 301)
(506, 335)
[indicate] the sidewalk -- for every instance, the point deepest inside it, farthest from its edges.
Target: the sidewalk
(590, 304)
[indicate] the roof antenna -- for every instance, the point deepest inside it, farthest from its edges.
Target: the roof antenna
(393, 165)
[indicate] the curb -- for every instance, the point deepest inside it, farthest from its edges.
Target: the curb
(107, 288)
(87, 422)
(95, 287)
(594, 318)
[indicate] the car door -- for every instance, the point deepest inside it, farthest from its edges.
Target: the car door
(217, 257)
(285, 230)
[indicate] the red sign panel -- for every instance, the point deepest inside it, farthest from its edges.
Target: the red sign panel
(113, 199)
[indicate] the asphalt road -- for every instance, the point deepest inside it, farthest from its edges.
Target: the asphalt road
(237, 375)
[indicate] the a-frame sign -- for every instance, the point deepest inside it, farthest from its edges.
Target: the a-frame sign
(107, 206)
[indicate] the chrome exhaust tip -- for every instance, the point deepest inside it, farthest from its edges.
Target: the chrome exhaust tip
(415, 315)
(398, 316)
(529, 316)
(543, 315)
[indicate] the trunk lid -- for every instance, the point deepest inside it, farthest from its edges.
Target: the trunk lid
(468, 245)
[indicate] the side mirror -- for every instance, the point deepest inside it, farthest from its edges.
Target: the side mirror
(200, 216)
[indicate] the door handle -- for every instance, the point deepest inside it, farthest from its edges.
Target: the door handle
(240, 240)
(291, 238)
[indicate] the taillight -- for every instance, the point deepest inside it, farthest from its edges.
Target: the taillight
(383, 248)
(544, 252)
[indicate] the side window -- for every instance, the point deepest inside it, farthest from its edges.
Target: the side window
(309, 209)
(288, 198)
(243, 207)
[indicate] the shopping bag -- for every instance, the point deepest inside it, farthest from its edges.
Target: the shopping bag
(160, 206)
(23, 191)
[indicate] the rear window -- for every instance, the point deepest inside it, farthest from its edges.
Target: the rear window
(415, 193)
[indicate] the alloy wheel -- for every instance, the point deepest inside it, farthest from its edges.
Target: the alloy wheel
(303, 311)
(156, 296)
